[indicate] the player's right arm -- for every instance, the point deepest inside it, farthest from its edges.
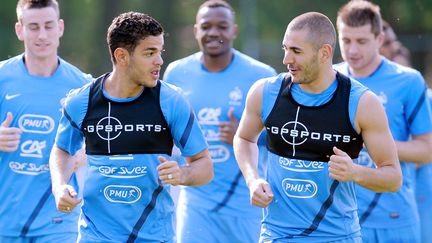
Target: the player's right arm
(246, 149)
(61, 168)
(67, 149)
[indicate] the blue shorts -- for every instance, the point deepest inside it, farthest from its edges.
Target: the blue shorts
(409, 234)
(60, 237)
(197, 226)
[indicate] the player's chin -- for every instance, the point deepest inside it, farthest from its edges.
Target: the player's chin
(150, 83)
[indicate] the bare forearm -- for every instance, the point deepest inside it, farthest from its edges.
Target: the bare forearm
(246, 154)
(414, 151)
(383, 179)
(197, 173)
(79, 159)
(61, 167)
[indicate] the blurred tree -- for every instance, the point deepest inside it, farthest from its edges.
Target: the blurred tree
(261, 23)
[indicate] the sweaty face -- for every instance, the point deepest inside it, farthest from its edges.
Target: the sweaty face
(359, 47)
(40, 30)
(215, 31)
(300, 57)
(145, 61)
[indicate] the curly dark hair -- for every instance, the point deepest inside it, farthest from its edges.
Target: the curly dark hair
(127, 29)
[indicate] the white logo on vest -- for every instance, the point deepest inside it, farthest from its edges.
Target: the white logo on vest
(109, 128)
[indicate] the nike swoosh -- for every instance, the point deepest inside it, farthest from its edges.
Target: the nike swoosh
(9, 97)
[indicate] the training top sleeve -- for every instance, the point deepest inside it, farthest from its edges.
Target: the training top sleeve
(416, 106)
(69, 136)
(182, 121)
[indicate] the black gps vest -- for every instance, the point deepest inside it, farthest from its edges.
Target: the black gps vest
(135, 127)
(310, 132)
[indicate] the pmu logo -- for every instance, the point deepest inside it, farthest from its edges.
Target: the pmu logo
(28, 168)
(235, 96)
(296, 133)
(219, 153)
(123, 172)
(209, 116)
(298, 165)
(36, 123)
(109, 128)
(299, 188)
(122, 194)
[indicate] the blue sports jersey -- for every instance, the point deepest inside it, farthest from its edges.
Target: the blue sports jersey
(212, 94)
(402, 91)
(123, 190)
(28, 207)
(301, 188)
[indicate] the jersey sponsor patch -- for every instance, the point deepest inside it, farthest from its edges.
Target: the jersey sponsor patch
(299, 188)
(33, 123)
(122, 194)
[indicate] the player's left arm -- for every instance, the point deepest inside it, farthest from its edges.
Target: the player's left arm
(371, 120)
(189, 138)
(197, 170)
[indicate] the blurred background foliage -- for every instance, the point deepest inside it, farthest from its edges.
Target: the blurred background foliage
(261, 23)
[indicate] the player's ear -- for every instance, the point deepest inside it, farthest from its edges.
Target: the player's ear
(325, 53)
(19, 30)
(61, 27)
(121, 56)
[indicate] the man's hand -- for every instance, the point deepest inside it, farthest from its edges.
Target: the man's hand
(169, 172)
(261, 194)
(9, 136)
(341, 166)
(66, 198)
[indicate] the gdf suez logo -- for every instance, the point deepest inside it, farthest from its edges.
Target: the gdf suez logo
(109, 128)
(296, 133)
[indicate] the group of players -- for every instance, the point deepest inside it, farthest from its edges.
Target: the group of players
(320, 153)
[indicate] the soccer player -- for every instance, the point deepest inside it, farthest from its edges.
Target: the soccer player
(216, 80)
(387, 217)
(317, 121)
(32, 87)
(129, 120)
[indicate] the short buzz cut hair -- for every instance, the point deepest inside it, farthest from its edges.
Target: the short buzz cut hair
(357, 13)
(36, 4)
(320, 28)
(128, 29)
(217, 4)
